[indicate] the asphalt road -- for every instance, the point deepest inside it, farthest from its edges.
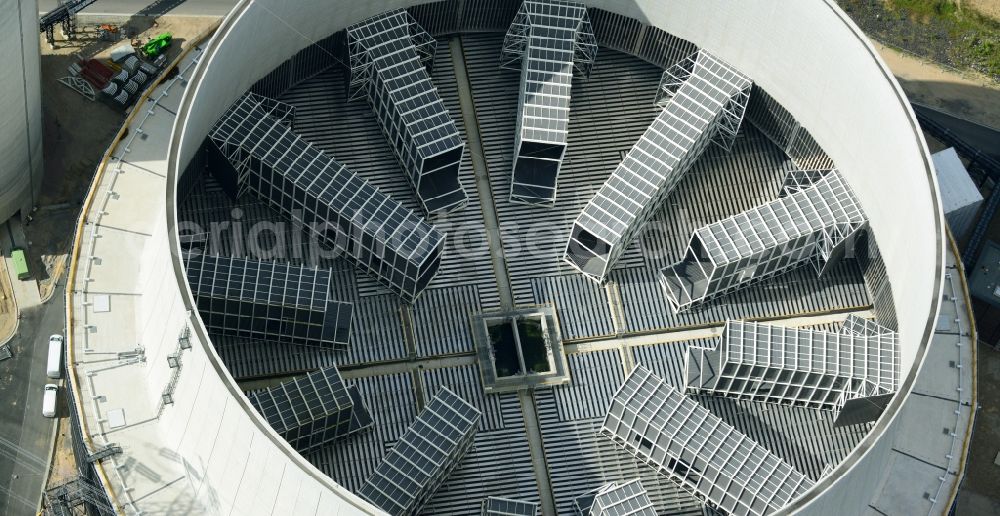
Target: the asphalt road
(25, 435)
(985, 139)
(152, 7)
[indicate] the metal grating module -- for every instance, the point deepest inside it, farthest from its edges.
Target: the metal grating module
(708, 457)
(813, 222)
(550, 41)
(269, 301)
(704, 97)
(314, 410)
(616, 499)
(796, 366)
(388, 58)
(424, 456)
(496, 506)
(381, 236)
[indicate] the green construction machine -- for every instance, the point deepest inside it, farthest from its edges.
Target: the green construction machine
(156, 46)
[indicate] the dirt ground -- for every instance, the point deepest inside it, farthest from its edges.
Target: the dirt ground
(77, 133)
(8, 310)
(63, 466)
(966, 95)
(990, 8)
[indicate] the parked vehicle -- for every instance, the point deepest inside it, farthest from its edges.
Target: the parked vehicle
(49, 400)
(53, 368)
(157, 45)
(20, 263)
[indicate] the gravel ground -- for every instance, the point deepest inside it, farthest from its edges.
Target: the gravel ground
(8, 315)
(930, 38)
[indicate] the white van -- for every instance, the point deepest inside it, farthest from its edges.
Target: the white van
(54, 366)
(49, 400)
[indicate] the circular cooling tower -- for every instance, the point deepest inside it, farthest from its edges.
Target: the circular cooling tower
(821, 98)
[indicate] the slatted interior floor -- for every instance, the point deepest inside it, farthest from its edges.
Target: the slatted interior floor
(609, 112)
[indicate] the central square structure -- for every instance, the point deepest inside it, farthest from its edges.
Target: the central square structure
(519, 349)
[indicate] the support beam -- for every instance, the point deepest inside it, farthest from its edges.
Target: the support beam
(389, 56)
(703, 99)
(706, 456)
(550, 42)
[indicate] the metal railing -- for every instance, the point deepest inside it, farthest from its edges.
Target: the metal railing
(88, 226)
(953, 456)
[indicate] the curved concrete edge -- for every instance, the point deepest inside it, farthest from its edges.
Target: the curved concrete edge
(967, 439)
(71, 374)
(934, 247)
(180, 277)
(878, 432)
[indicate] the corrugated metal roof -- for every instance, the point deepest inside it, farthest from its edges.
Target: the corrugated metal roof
(441, 323)
(499, 464)
(578, 459)
(956, 187)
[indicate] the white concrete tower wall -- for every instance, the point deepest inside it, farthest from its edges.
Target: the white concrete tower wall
(812, 59)
(21, 106)
(206, 450)
(232, 459)
(807, 55)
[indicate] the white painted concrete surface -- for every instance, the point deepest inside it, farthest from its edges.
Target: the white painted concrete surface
(210, 451)
(207, 452)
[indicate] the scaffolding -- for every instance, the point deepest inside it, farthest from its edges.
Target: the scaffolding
(614, 499)
(64, 14)
(706, 456)
(812, 222)
(550, 42)
(314, 410)
(702, 105)
(252, 149)
(498, 506)
(424, 456)
(797, 366)
(270, 301)
(76, 496)
(389, 56)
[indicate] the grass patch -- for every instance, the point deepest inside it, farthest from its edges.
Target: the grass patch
(931, 8)
(939, 30)
(974, 38)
